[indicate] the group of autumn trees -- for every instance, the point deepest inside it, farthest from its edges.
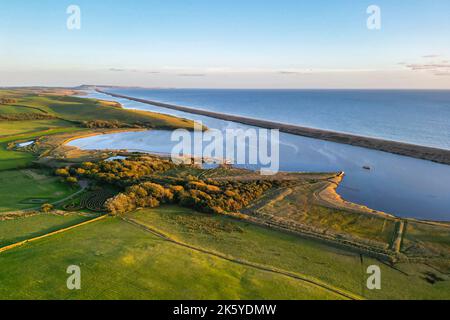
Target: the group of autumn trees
(26, 116)
(209, 197)
(104, 124)
(7, 101)
(145, 187)
(120, 172)
(21, 116)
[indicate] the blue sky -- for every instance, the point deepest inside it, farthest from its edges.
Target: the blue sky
(247, 43)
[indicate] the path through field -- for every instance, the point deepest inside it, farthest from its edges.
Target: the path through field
(323, 286)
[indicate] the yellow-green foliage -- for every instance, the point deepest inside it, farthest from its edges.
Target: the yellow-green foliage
(219, 198)
(123, 171)
(426, 239)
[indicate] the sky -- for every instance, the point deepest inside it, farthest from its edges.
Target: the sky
(226, 44)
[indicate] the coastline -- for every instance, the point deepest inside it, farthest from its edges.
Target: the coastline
(331, 198)
(328, 196)
(405, 149)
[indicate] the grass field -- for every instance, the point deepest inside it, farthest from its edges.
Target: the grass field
(12, 131)
(13, 231)
(426, 240)
(19, 188)
(297, 205)
(12, 109)
(120, 261)
(83, 109)
(289, 252)
(70, 111)
(31, 128)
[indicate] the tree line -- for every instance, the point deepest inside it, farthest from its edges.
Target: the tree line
(145, 186)
(26, 116)
(122, 173)
(208, 197)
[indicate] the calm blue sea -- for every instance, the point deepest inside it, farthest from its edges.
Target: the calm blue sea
(400, 185)
(418, 117)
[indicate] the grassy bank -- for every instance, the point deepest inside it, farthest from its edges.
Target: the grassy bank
(120, 261)
(289, 252)
(25, 189)
(69, 114)
(84, 109)
(13, 231)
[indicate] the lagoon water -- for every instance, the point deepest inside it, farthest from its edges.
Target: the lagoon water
(399, 185)
(418, 117)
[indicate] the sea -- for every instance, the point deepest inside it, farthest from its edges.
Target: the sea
(402, 186)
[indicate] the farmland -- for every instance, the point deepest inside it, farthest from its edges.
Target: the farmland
(82, 109)
(19, 229)
(332, 265)
(120, 261)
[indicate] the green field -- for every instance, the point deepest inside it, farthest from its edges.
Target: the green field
(70, 111)
(297, 205)
(14, 131)
(32, 128)
(22, 189)
(12, 109)
(13, 231)
(83, 109)
(426, 240)
(120, 261)
(289, 252)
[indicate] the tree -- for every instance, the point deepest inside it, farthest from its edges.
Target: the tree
(62, 172)
(120, 204)
(46, 207)
(72, 180)
(81, 171)
(7, 101)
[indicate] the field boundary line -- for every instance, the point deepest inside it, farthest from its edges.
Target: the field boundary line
(296, 276)
(47, 235)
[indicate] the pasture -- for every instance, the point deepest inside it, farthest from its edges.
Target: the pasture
(14, 131)
(22, 189)
(297, 205)
(121, 261)
(19, 229)
(328, 263)
(83, 109)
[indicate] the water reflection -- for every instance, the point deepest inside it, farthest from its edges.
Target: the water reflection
(399, 185)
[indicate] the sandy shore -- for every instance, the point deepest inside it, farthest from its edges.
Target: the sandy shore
(330, 198)
(400, 148)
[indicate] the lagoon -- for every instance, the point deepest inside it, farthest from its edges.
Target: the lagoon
(395, 184)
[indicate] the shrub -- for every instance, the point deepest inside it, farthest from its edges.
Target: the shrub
(72, 180)
(63, 172)
(46, 207)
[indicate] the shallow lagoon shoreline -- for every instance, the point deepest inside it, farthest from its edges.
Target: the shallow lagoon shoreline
(405, 149)
(398, 185)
